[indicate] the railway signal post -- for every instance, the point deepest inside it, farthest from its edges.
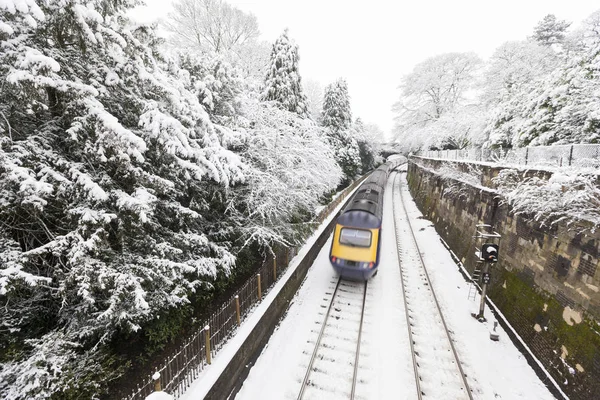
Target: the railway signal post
(486, 255)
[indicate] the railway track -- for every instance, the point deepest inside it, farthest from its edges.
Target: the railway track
(333, 367)
(437, 368)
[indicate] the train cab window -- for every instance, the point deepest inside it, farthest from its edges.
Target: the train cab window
(355, 237)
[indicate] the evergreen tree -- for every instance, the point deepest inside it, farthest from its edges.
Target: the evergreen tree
(283, 83)
(108, 165)
(336, 117)
(336, 106)
(366, 146)
(550, 31)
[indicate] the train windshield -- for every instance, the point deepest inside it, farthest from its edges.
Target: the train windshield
(355, 237)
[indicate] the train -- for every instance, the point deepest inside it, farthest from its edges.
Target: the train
(355, 247)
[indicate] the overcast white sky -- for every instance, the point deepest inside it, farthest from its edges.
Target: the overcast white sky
(373, 43)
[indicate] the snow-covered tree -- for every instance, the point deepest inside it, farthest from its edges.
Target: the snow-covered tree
(216, 83)
(108, 163)
(550, 31)
(456, 130)
(513, 66)
(208, 26)
(435, 87)
(283, 84)
(558, 107)
(314, 98)
(292, 166)
(336, 113)
(252, 60)
(336, 117)
(369, 138)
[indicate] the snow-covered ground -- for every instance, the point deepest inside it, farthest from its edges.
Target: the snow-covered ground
(495, 370)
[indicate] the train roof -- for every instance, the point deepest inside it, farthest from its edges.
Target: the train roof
(369, 196)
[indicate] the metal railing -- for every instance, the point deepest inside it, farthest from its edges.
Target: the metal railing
(579, 155)
(180, 369)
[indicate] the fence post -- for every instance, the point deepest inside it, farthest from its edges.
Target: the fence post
(237, 310)
(259, 290)
(287, 257)
(274, 268)
(526, 154)
(156, 378)
(207, 339)
(570, 155)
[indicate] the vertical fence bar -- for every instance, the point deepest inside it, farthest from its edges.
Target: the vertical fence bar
(571, 155)
(526, 155)
(237, 310)
(274, 268)
(178, 373)
(259, 289)
(207, 339)
(156, 378)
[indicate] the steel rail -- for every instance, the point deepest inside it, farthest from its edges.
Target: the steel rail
(362, 317)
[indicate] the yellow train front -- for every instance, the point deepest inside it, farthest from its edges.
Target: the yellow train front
(356, 239)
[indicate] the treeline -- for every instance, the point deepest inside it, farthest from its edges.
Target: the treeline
(539, 91)
(135, 182)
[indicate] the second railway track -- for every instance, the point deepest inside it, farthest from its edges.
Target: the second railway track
(437, 368)
(333, 366)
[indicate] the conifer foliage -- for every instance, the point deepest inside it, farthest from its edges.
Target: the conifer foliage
(336, 117)
(550, 31)
(336, 106)
(283, 83)
(107, 164)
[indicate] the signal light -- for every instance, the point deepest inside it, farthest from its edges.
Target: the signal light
(489, 252)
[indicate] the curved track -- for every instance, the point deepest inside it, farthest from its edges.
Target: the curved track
(332, 370)
(437, 368)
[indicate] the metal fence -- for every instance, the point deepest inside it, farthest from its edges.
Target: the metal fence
(579, 155)
(180, 369)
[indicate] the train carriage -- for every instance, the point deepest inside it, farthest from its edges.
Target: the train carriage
(356, 241)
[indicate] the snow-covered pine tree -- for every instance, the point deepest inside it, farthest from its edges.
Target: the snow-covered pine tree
(283, 83)
(550, 31)
(336, 117)
(336, 114)
(107, 160)
(366, 145)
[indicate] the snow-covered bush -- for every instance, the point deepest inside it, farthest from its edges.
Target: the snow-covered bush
(568, 196)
